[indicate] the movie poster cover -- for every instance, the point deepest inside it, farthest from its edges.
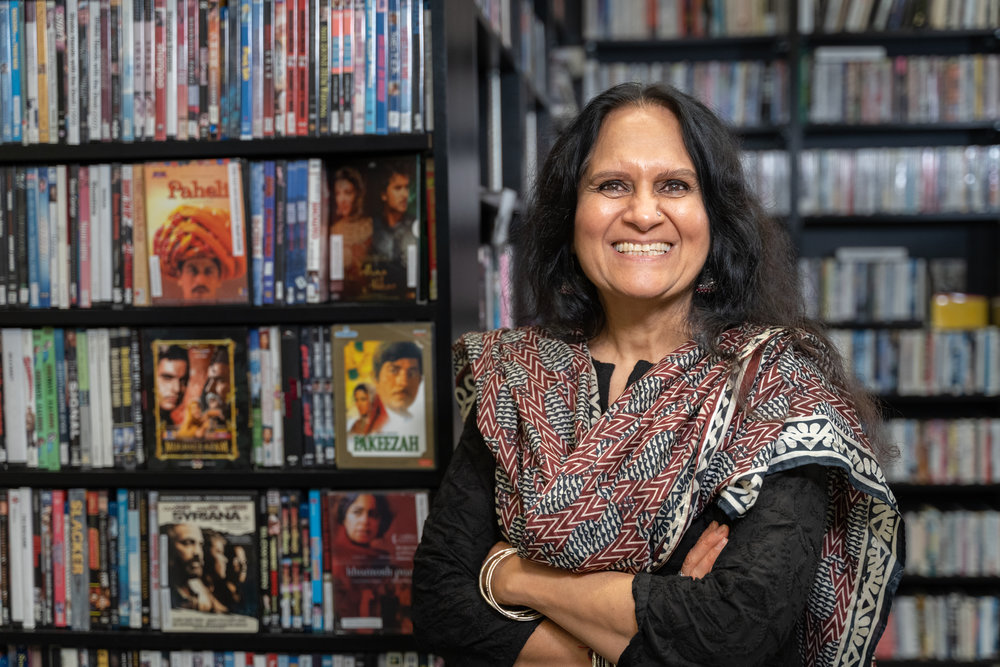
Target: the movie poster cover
(195, 232)
(196, 397)
(375, 227)
(207, 543)
(384, 393)
(375, 534)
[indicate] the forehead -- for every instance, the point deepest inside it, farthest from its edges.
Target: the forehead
(199, 263)
(188, 530)
(639, 133)
(403, 362)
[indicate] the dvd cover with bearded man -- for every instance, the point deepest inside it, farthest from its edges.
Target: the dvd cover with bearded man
(208, 552)
(195, 232)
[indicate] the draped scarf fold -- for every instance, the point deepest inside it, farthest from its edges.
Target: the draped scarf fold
(586, 491)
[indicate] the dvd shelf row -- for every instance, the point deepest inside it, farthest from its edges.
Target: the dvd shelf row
(56, 656)
(744, 93)
(142, 70)
(945, 451)
(914, 362)
(931, 179)
(282, 560)
(942, 627)
(833, 16)
(675, 19)
(877, 284)
(292, 396)
(862, 85)
(953, 542)
(271, 232)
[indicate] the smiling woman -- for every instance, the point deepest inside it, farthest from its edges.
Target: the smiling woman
(641, 233)
(668, 463)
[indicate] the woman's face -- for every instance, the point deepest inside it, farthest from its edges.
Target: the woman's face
(362, 519)
(362, 401)
(344, 195)
(641, 232)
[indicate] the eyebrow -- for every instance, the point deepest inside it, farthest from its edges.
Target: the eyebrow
(664, 175)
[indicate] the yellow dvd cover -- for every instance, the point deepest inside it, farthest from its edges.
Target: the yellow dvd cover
(385, 383)
(195, 232)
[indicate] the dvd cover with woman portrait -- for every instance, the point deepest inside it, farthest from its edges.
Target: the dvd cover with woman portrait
(196, 397)
(374, 535)
(195, 232)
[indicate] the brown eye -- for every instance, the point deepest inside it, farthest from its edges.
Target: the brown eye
(612, 187)
(675, 186)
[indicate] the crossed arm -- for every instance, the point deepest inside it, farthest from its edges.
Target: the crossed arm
(747, 606)
(596, 607)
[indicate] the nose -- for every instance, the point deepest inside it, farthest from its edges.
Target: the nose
(643, 212)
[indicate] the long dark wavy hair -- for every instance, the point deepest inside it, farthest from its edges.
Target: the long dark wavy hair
(750, 259)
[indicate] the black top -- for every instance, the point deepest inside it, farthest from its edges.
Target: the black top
(743, 612)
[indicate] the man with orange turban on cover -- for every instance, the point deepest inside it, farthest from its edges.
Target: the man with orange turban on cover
(195, 248)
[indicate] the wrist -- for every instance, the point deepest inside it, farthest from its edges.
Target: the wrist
(488, 582)
(504, 580)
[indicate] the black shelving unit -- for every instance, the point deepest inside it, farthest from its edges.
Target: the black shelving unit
(447, 146)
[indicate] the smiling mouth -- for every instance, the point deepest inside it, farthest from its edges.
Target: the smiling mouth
(643, 249)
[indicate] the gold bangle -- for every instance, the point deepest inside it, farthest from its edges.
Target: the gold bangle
(485, 588)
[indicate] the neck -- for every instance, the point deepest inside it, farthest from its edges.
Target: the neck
(392, 217)
(632, 334)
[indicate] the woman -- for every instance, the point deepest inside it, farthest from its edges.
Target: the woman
(351, 226)
(362, 402)
(672, 394)
(360, 597)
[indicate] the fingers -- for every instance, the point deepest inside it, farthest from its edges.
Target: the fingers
(701, 559)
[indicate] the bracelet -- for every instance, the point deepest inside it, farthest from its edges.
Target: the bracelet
(485, 588)
(597, 660)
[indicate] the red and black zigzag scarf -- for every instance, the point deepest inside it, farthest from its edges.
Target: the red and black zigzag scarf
(587, 491)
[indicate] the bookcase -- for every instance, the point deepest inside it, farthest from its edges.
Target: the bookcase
(834, 101)
(512, 43)
(442, 144)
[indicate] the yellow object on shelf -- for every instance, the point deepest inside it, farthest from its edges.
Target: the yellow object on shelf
(956, 310)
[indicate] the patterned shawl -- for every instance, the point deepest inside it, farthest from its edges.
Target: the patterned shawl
(587, 491)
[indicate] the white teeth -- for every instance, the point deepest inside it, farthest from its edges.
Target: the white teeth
(643, 249)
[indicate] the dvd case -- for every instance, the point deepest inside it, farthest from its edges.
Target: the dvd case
(384, 387)
(195, 383)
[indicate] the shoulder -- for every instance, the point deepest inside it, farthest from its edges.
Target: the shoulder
(482, 348)
(491, 357)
